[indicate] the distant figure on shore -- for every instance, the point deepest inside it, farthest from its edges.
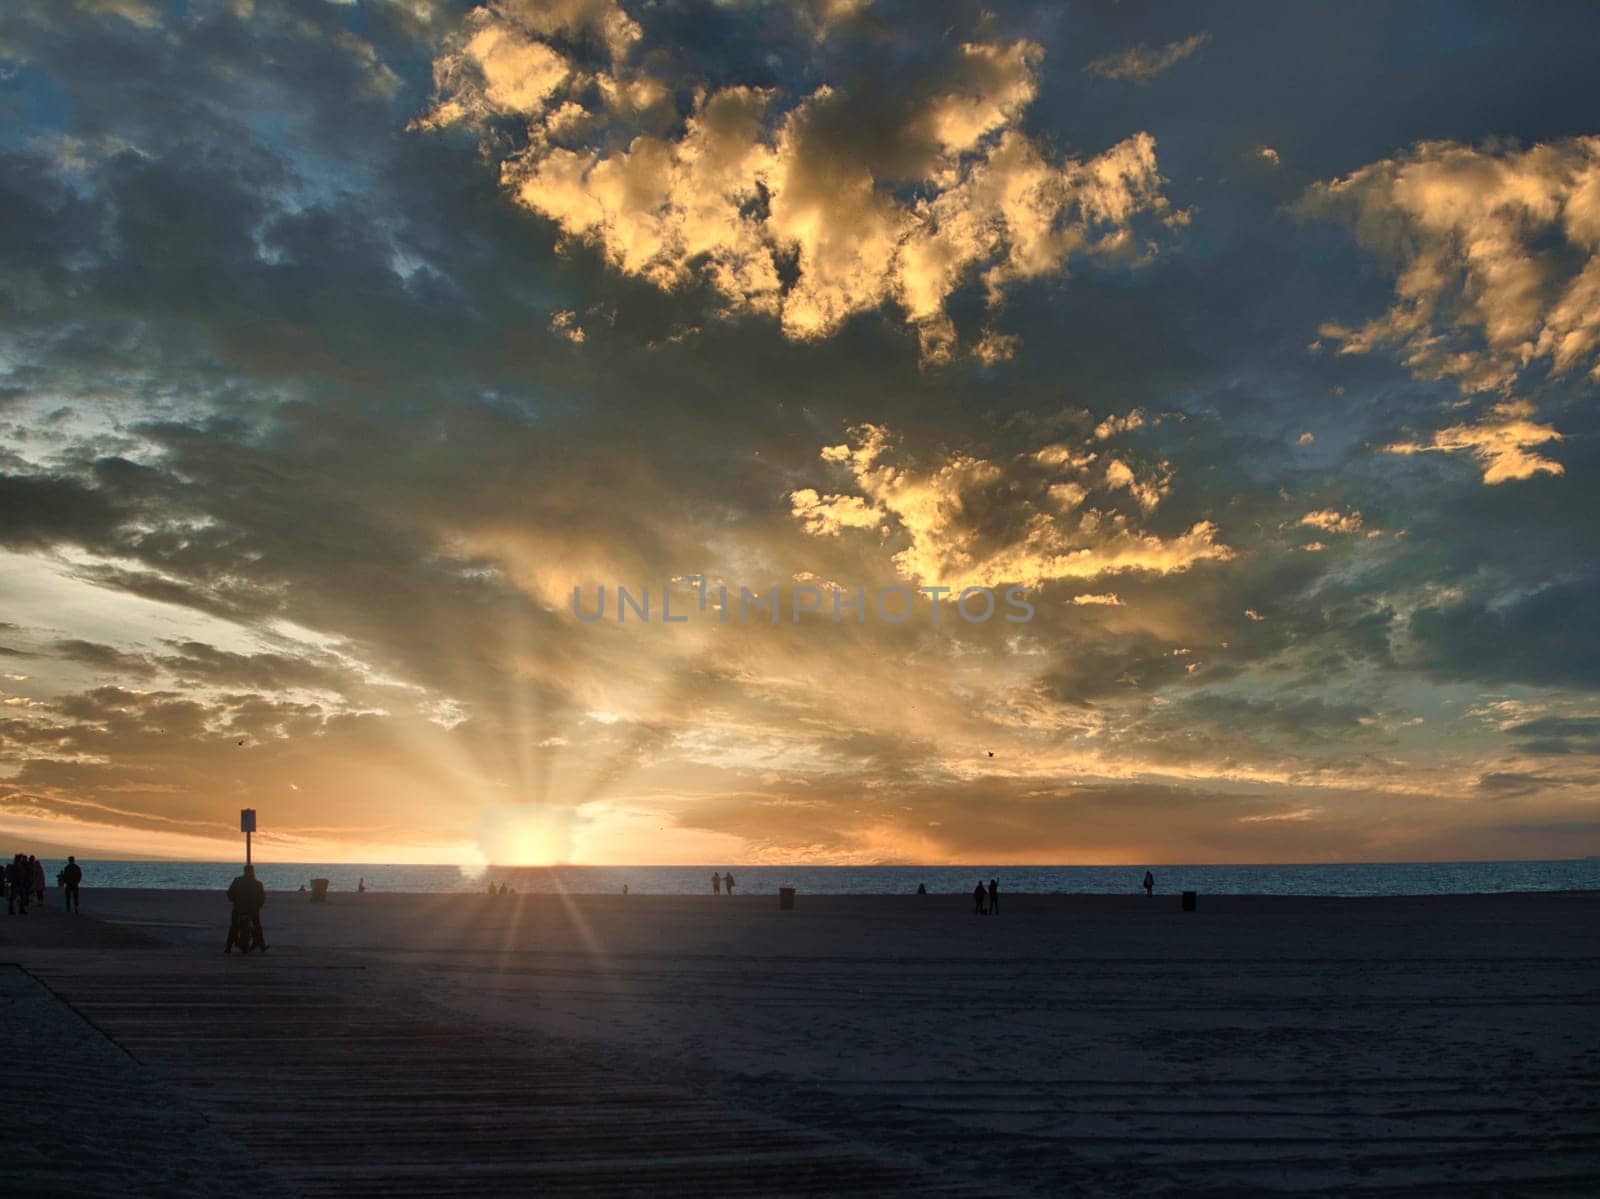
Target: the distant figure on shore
(36, 877)
(980, 898)
(922, 888)
(361, 886)
(248, 897)
(994, 897)
(71, 876)
(1149, 884)
(624, 888)
(16, 890)
(716, 883)
(727, 882)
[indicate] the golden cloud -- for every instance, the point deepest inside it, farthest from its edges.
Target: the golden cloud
(1499, 441)
(1331, 521)
(970, 521)
(1496, 254)
(739, 188)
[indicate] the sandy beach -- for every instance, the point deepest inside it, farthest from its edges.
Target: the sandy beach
(1071, 1044)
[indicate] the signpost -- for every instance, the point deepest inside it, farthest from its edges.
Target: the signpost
(247, 825)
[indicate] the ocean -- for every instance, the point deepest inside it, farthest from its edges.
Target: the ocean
(1362, 878)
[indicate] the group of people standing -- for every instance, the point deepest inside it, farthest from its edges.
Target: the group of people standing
(24, 883)
(986, 900)
(721, 882)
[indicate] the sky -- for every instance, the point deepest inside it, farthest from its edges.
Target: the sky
(1244, 356)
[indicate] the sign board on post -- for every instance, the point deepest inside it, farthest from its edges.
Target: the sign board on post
(247, 820)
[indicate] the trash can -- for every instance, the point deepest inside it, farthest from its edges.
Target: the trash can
(1188, 901)
(319, 890)
(785, 898)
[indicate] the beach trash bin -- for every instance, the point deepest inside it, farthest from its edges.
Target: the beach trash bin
(319, 890)
(1188, 901)
(785, 898)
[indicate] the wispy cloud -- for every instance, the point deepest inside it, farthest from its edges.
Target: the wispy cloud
(1140, 64)
(1500, 440)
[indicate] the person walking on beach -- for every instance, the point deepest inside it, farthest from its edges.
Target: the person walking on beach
(71, 876)
(36, 877)
(716, 883)
(979, 898)
(247, 896)
(1149, 884)
(994, 897)
(727, 882)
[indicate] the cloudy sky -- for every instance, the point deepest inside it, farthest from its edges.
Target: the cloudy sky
(339, 341)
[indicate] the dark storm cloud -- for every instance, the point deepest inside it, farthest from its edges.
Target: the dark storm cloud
(1502, 783)
(1548, 637)
(103, 657)
(44, 510)
(1558, 735)
(1099, 671)
(197, 661)
(1304, 717)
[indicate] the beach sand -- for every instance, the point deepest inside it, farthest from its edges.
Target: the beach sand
(1094, 1045)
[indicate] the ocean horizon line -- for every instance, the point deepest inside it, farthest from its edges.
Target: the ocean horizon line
(1309, 879)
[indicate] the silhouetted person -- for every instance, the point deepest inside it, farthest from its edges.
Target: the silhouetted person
(36, 876)
(980, 899)
(1149, 883)
(361, 886)
(16, 889)
(71, 876)
(247, 896)
(994, 897)
(727, 882)
(922, 888)
(716, 883)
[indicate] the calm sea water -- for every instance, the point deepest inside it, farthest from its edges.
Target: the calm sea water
(1374, 878)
